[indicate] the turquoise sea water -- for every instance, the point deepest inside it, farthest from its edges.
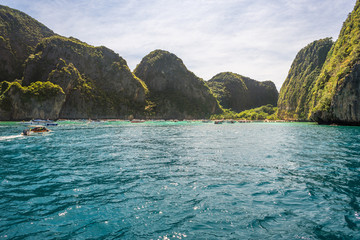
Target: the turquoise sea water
(118, 180)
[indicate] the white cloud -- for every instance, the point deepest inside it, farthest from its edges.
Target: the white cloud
(255, 38)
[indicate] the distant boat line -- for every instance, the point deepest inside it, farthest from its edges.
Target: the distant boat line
(229, 121)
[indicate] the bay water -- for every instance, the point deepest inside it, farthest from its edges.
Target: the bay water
(180, 180)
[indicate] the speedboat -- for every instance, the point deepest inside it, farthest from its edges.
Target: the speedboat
(35, 130)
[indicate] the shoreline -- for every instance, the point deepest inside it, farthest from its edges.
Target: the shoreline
(167, 120)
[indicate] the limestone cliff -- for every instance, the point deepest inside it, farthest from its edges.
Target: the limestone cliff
(241, 93)
(295, 94)
(19, 35)
(175, 91)
(336, 97)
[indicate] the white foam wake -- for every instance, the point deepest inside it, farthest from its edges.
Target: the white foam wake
(10, 137)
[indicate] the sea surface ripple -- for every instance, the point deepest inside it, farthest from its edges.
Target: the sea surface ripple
(185, 180)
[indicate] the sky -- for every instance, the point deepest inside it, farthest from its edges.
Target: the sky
(254, 38)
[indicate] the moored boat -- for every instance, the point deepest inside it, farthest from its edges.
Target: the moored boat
(137, 121)
(40, 122)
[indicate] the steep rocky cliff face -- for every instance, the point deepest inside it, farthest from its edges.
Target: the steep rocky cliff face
(19, 35)
(175, 91)
(241, 93)
(295, 94)
(39, 100)
(97, 81)
(336, 92)
(344, 107)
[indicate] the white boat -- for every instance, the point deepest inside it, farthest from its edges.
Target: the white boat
(40, 122)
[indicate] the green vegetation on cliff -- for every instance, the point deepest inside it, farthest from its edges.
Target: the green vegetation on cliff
(39, 90)
(239, 93)
(295, 94)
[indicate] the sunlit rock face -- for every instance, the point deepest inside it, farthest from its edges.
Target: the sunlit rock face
(295, 98)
